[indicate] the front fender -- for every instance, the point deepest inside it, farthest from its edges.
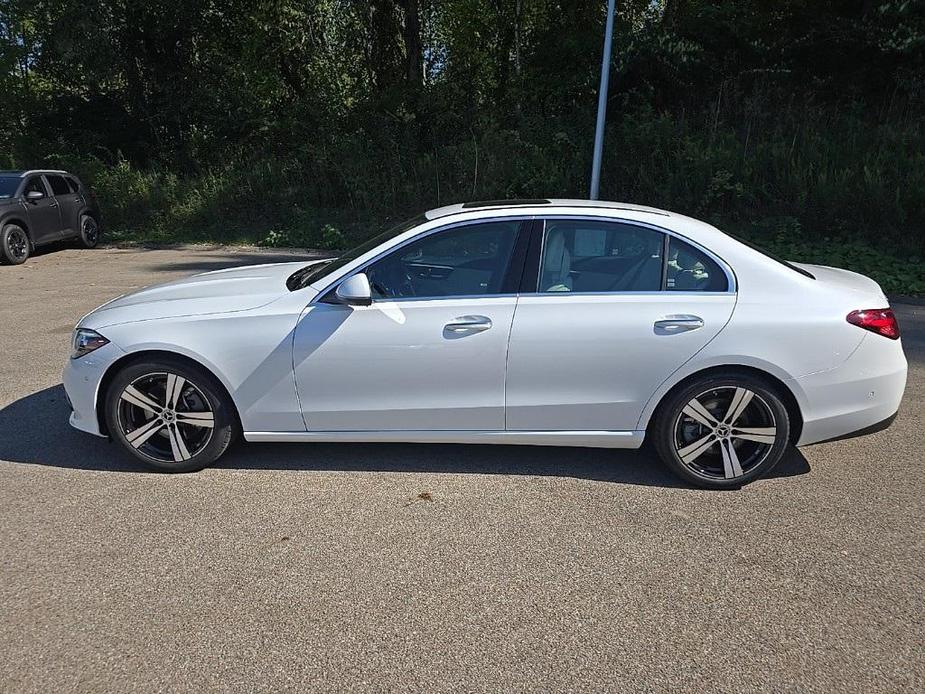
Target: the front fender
(251, 355)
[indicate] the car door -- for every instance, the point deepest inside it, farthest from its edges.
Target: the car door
(429, 352)
(69, 203)
(607, 320)
(42, 213)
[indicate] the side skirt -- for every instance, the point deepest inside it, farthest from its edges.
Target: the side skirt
(586, 439)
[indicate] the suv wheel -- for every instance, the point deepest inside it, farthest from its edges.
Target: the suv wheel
(722, 431)
(89, 231)
(14, 244)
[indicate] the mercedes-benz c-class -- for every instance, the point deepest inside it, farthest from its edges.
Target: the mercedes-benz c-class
(541, 322)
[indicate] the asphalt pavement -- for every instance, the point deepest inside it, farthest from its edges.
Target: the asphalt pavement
(433, 567)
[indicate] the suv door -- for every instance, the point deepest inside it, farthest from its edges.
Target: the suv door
(69, 204)
(429, 352)
(43, 216)
(605, 321)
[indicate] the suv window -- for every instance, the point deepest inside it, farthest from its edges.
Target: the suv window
(690, 270)
(589, 256)
(463, 261)
(35, 183)
(58, 185)
(75, 187)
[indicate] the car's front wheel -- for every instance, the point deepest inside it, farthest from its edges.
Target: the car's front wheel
(170, 415)
(722, 431)
(14, 244)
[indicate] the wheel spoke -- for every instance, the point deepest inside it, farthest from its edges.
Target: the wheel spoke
(757, 434)
(696, 411)
(177, 445)
(144, 432)
(740, 400)
(731, 466)
(196, 419)
(174, 389)
(694, 450)
(136, 397)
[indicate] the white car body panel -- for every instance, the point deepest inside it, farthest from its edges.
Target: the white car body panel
(609, 355)
(393, 365)
(563, 369)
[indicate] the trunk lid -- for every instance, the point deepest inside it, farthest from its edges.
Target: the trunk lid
(847, 281)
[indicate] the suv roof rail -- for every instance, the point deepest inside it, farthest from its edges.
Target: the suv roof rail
(42, 171)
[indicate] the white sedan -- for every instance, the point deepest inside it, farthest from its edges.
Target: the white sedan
(541, 322)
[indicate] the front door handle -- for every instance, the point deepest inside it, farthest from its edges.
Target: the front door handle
(671, 325)
(468, 324)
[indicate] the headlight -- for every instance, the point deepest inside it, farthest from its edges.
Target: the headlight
(85, 341)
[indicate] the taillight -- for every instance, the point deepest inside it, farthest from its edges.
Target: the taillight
(877, 320)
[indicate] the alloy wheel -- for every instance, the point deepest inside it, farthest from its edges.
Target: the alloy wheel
(724, 432)
(166, 417)
(91, 231)
(18, 244)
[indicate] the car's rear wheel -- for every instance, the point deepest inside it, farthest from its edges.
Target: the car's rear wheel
(14, 244)
(722, 431)
(89, 232)
(170, 415)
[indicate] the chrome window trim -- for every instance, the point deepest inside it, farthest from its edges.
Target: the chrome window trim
(731, 284)
(418, 237)
(692, 292)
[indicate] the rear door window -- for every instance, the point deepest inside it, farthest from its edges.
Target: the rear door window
(691, 270)
(74, 186)
(591, 256)
(58, 185)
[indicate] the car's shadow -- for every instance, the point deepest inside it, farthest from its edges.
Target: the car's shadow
(34, 430)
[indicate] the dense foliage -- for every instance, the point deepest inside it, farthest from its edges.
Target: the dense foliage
(309, 122)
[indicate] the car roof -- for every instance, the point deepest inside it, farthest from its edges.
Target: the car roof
(20, 173)
(540, 205)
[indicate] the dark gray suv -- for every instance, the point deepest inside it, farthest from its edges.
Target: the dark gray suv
(43, 206)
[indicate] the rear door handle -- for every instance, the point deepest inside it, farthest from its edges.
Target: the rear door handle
(468, 324)
(678, 324)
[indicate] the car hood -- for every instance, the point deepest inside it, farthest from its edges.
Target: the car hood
(221, 291)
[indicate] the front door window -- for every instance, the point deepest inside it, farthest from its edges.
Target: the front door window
(468, 260)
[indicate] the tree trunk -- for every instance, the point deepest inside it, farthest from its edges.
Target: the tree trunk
(414, 56)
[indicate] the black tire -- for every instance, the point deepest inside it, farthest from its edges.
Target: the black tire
(200, 394)
(724, 448)
(14, 244)
(89, 235)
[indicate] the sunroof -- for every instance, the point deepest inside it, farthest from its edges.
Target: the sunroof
(504, 203)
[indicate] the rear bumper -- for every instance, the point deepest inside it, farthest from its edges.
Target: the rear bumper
(872, 429)
(859, 397)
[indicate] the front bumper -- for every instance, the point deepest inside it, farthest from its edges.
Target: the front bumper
(82, 378)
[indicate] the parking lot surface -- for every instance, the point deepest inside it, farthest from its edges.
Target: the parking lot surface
(434, 567)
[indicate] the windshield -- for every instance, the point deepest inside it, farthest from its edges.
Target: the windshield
(311, 274)
(8, 186)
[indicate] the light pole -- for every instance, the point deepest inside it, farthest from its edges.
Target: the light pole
(602, 105)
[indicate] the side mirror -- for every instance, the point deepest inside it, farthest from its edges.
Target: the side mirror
(35, 195)
(355, 291)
